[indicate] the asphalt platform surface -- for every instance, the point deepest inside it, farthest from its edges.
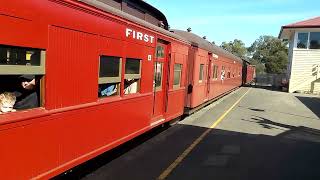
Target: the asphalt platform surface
(267, 135)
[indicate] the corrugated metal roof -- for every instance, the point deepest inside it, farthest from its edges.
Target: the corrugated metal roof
(314, 22)
(194, 39)
(155, 11)
(286, 32)
(119, 13)
(204, 44)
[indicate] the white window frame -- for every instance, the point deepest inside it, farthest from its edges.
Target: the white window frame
(308, 42)
(296, 40)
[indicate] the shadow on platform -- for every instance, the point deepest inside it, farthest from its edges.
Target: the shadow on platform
(313, 103)
(221, 155)
(224, 155)
(267, 87)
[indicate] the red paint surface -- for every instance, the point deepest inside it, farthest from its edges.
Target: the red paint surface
(313, 22)
(251, 73)
(159, 95)
(74, 125)
(210, 88)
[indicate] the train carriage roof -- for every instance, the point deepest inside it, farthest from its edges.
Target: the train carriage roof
(104, 7)
(197, 41)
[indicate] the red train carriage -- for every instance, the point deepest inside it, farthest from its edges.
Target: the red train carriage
(103, 77)
(212, 71)
(249, 72)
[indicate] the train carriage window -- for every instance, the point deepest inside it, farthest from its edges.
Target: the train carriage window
(20, 60)
(177, 75)
(212, 71)
(158, 71)
(215, 72)
(21, 72)
(223, 73)
(109, 76)
(201, 72)
(132, 76)
(160, 51)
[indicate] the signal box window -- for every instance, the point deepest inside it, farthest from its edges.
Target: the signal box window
(132, 76)
(21, 72)
(177, 75)
(314, 40)
(201, 72)
(158, 71)
(302, 41)
(109, 76)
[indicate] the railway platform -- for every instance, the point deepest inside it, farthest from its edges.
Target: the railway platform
(249, 134)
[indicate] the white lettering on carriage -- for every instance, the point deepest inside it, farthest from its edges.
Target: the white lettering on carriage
(139, 36)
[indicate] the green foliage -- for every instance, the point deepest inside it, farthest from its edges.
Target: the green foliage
(269, 54)
(260, 68)
(236, 47)
(270, 51)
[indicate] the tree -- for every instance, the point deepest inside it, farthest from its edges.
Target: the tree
(236, 47)
(260, 67)
(270, 51)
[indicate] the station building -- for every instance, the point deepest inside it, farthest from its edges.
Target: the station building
(304, 55)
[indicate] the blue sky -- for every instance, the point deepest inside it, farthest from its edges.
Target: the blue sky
(225, 20)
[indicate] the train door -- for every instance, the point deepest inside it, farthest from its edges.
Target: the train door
(209, 68)
(159, 85)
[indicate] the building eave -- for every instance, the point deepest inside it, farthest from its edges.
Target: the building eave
(286, 31)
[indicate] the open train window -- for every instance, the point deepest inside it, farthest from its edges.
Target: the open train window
(158, 72)
(201, 72)
(177, 75)
(109, 76)
(21, 78)
(132, 76)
